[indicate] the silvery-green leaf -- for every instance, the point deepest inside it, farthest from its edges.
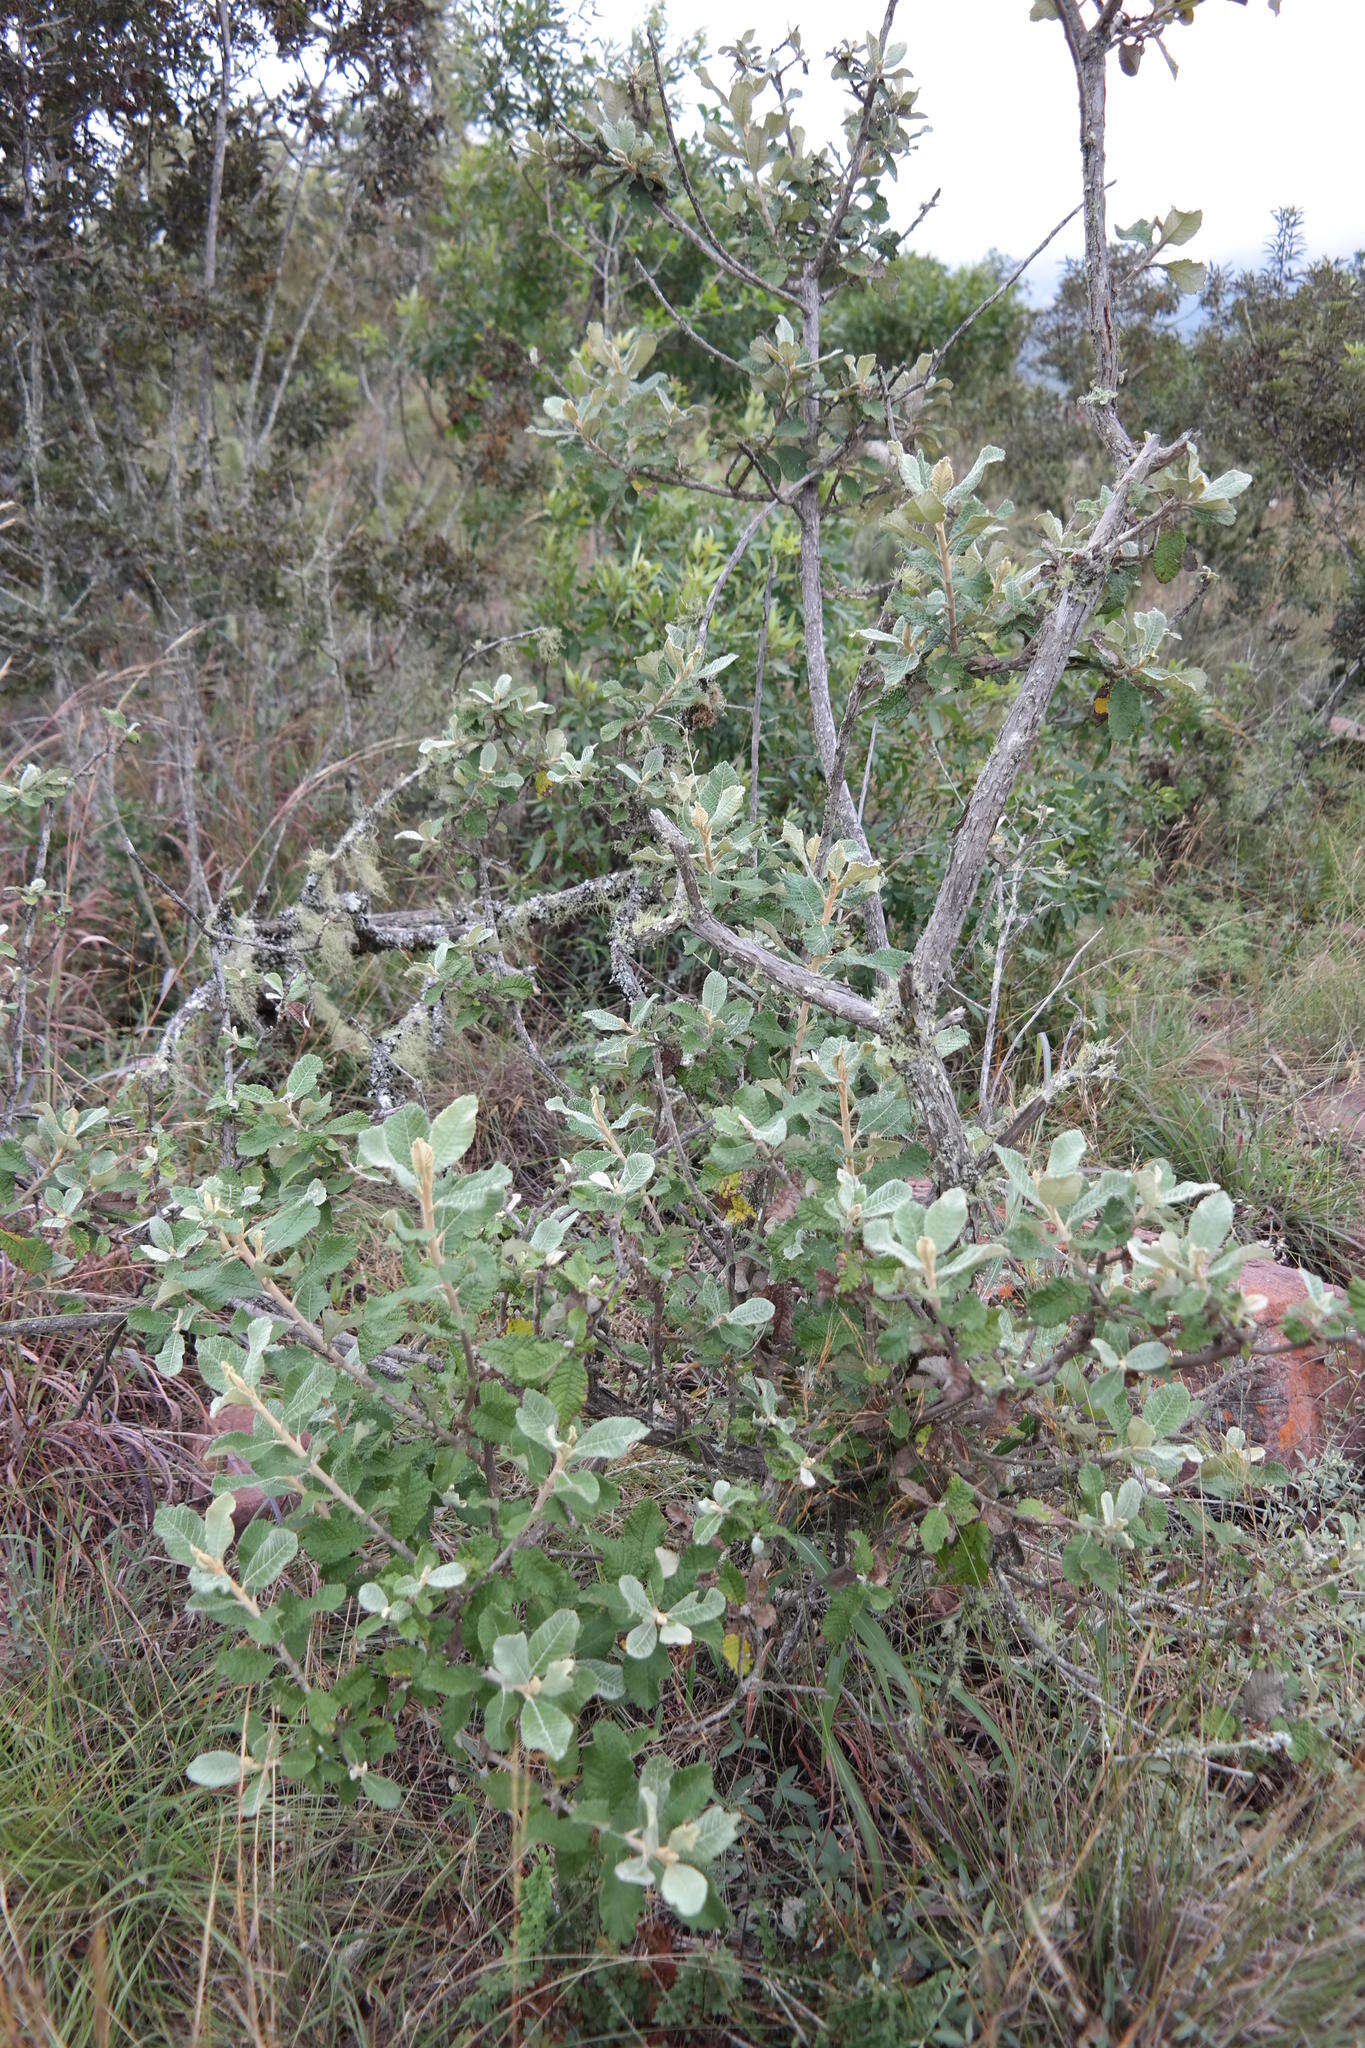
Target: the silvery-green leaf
(1067, 1152)
(579, 1489)
(554, 1638)
(557, 1678)
(893, 1195)
(382, 1791)
(611, 1438)
(255, 1795)
(945, 1219)
(636, 1173)
(755, 1312)
(171, 1357)
(267, 1557)
(962, 491)
(633, 1593)
(684, 1889)
(538, 1419)
(1148, 1357)
(642, 1639)
(442, 1576)
(512, 1660)
(453, 1131)
(388, 1147)
(712, 1834)
(1211, 1221)
(218, 1524)
(608, 1680)
(1166, 1408)
(1129, 1503)
(546, 1727)
(216, 1768)
(182, 1532)
(697, 1607)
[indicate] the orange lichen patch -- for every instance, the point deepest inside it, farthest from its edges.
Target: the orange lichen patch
(1298, 1405)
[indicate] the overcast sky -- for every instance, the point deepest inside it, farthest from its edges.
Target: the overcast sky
(1266, 111)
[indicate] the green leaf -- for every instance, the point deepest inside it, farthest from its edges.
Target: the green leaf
(610, 1439)
(546, 1727)
(968, 1560)
(637, 1172)
(1125, 710)
(568, 1387)
(262, 1558)
(755, 1312)
(1167, 557)
(182, 1532)
(554, 1638)
(512, 1659)
(30, 1254)
(945, 1219)
(243, 1664)
(711, 1834)
(1185, 274)
(452, 1132)
(304, 1076)
(1057, 1301)
(442, 1576)
(381, 1791)
(538, 1419)
(526, 1360)
(684, 1889)
(959, 1501)
(934, 1531)
(1166, 1407)
(1065, 1153)
(1181, 225)
(216, 1768)
(1085, 1558)
(1211, 1221)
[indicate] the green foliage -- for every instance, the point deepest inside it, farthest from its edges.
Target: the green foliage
(459, 1375)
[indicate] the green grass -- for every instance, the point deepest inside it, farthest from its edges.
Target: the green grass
(138, 1912)
(1231, 1017)
(1005, 1831)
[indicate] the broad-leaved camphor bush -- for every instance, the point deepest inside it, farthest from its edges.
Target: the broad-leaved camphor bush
(795, 1232)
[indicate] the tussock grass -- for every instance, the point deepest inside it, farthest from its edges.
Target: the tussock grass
(1029, 1830)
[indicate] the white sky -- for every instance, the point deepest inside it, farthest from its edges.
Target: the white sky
(1266, 111)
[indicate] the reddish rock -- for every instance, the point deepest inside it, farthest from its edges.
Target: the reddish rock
(1347, 729)
(1293, 1402)
(250, 1500)
(1341, 1114)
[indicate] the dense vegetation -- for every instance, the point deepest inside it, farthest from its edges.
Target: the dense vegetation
(654, 1001)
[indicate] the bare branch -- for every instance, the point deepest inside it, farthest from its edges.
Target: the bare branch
(813, 618)
(680, 321)
(834, 997)
(1052, 649)
(735, 557)
(759, 666)
(23, 964)
(985, 306)
(1089, 55)
(857, 154)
